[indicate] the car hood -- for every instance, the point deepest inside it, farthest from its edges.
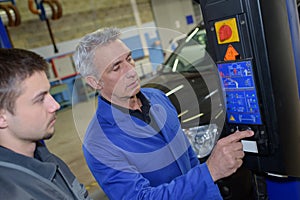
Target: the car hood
(195, 95)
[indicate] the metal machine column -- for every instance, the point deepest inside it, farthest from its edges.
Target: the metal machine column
(289, 188)
(255, 44)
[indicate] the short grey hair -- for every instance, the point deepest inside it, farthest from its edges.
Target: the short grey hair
(85, 50)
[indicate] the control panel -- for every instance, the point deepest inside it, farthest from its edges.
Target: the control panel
(241, 96)
(259, 78)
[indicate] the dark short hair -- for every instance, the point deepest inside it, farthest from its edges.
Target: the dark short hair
(15, 66)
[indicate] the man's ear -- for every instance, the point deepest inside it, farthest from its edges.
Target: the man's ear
(3, 121)
(94, 83)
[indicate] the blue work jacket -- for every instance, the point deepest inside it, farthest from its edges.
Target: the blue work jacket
(131, 160)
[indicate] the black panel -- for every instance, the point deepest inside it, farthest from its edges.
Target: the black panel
(265, 40)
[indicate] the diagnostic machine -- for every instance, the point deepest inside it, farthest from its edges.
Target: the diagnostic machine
(255, 44)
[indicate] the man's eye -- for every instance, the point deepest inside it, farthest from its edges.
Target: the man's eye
(129, 59)
(116, 68)
(40, 99)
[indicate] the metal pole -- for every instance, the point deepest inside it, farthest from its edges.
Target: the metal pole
(139, 25)
(51, 36)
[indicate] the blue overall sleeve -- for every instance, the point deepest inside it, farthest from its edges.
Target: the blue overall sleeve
(196, 184)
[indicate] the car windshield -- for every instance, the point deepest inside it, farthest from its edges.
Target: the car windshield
(190, 53)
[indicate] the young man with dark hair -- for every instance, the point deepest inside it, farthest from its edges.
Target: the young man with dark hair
(27, 116)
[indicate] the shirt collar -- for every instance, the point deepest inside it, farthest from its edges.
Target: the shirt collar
(145, 103)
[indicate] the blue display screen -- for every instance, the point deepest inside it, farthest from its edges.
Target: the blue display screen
(241, 96)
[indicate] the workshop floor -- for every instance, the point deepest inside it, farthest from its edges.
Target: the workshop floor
(66, 143)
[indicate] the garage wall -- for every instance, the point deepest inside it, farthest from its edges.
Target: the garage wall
(79, 17)
(174, 18)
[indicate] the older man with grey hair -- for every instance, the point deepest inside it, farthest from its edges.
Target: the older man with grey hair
(134, 145)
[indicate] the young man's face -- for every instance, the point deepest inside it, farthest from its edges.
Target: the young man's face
(119, 80)
(34, 115)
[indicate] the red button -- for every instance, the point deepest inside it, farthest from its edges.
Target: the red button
(225, 32)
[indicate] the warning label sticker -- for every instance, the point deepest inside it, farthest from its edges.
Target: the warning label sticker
(231, 53)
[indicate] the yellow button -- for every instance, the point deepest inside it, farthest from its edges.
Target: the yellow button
(227, 31)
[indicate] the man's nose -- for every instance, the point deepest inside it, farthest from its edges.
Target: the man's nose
(53, 105)
(130, 70)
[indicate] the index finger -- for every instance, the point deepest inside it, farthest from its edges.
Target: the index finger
(238, 135)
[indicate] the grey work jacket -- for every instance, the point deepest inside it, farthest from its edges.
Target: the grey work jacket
(43, 177)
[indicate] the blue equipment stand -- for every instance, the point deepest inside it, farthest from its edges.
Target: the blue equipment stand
(4, 39)
(283, 188)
